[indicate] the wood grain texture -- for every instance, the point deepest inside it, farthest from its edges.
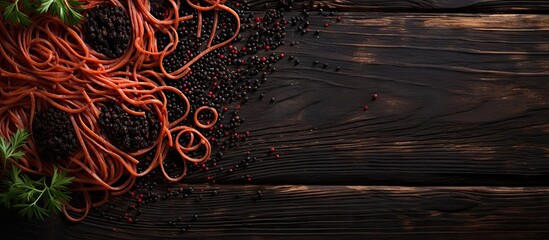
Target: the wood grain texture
(464, 6)
(476, 6)
(463, 101)
(325, 212)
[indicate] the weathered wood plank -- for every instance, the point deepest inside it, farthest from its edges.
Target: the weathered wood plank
(475, 6)
(464, 6)
(463, 101)
(326, 212)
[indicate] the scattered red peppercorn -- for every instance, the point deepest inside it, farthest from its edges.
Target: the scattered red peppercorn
(365, 108)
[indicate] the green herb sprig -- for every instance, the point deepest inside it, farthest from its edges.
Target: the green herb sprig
(34, 198)
(17, 11)
(10, 149)
(13, 13)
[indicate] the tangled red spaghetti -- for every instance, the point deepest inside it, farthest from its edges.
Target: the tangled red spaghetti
(48, 64)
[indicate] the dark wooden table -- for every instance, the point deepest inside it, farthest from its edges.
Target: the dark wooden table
(455, 147)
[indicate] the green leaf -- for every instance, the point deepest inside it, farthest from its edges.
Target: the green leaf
(35, 198)
(11, 149)
(66, 10)
(32, 211)
(59, 179)
(4, 4)
(74, 17)
(19, 138)
(4, 147)
(29, 4)
(6, 198)
(17, 154)
(13, 14)
(13, 173)
(44, 6)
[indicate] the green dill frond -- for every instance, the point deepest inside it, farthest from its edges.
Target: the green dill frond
(67, 10)
(10, 149)
(36, 198)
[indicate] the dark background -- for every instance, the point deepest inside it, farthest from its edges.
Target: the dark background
(455, 147)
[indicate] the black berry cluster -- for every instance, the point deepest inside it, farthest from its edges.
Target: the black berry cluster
(53, 134)
(107, 30)
(129, 132)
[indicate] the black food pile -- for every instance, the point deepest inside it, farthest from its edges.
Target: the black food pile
(127, 131)
(107, 29)
(53, 134)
